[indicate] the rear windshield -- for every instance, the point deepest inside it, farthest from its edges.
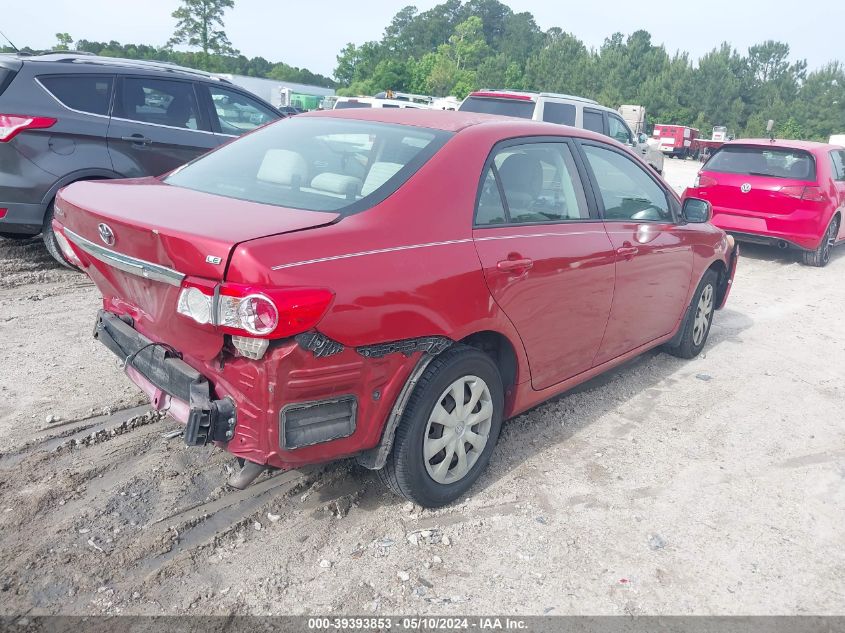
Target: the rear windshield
(521, 108)
(341, 105)
(314, 163)
(794, 164)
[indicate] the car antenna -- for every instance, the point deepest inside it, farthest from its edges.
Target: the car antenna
(17, 50)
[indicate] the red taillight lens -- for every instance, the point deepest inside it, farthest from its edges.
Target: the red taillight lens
(703, 180)
(813, 194)
(3, 213)
(12, 124)
(250, 311)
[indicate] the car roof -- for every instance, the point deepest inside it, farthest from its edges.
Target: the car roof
(71, 58)
(455, 121)
(810, 146)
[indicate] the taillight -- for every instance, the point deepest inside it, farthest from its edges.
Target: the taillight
(249, 311)
(12, 124)
(3, 213)
(703, 180)
(801, 192)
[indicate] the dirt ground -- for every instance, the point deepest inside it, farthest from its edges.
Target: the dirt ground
(712, 486)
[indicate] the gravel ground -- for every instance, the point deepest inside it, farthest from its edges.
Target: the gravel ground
(713, 486)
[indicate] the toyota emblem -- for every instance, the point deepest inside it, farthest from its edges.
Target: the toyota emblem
(746, 187)
(106, 234)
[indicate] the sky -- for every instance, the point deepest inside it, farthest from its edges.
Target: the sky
(308, 33)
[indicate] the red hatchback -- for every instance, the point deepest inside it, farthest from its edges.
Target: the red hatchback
(390, 285)
(789, 194)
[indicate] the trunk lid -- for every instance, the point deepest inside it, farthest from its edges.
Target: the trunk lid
(190, 231)
(758, 180)
(185, 232)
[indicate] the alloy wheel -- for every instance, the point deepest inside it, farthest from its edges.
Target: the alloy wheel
(703, 314)
(458, 429)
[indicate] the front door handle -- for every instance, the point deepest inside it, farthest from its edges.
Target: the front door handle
(137, 139)
(517, 266)
(627, 252)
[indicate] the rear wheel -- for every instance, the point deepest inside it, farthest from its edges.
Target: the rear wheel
(448, 430)
(696, 328)
(49, 238)
(821, 256)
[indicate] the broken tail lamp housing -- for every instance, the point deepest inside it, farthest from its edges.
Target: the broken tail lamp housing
(253, 316)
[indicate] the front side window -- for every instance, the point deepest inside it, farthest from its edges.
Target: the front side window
(618, 130)
(86, 93)
(794, 164)
(626, 189)
(160, 101)
(314, 163)
(561, 113)
(531, 183)
(238, 113)
(594, 121)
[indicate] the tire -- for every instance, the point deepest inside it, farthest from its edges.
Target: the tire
(407, 472)
(696, 327)
(821, 256)
(50, 239)
(15, 236)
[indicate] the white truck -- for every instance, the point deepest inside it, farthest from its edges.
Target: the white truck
(634, 116)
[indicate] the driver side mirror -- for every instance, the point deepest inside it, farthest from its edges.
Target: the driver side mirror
(642, 138)
(696, 211)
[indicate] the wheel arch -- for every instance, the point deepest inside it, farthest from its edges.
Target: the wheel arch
(82, 174)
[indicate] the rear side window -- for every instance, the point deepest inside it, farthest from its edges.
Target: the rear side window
(86, 93)
(838, 158)
(793, 164)
(159, 101)
(522, 108)
(531, 183)
(562, 113)
(314, 163)
(626, 190)
(593, 120)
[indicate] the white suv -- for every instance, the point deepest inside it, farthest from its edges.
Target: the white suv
(565, 110)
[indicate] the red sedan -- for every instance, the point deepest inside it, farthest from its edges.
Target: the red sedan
(390, 285)
(789, 194)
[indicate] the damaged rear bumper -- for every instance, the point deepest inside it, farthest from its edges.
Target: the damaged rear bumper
(171, 384)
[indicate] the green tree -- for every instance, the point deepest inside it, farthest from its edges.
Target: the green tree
(63, 41)
(200, 24)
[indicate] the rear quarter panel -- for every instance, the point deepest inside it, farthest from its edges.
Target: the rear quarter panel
(405, 268)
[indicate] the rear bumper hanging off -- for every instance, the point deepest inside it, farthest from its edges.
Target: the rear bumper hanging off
(170, 383)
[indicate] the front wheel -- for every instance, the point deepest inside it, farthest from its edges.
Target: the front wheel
(699, 319)
(448, 430)
(821, 256)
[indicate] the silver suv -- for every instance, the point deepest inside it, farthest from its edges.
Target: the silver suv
(565, 110)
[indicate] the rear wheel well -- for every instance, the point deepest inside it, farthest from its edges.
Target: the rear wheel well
(500, 349)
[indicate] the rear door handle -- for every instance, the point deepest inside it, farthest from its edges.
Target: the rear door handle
(627, 252)
(517, 266)
(137, 139)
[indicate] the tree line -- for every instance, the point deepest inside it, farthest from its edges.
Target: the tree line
(457, 47)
